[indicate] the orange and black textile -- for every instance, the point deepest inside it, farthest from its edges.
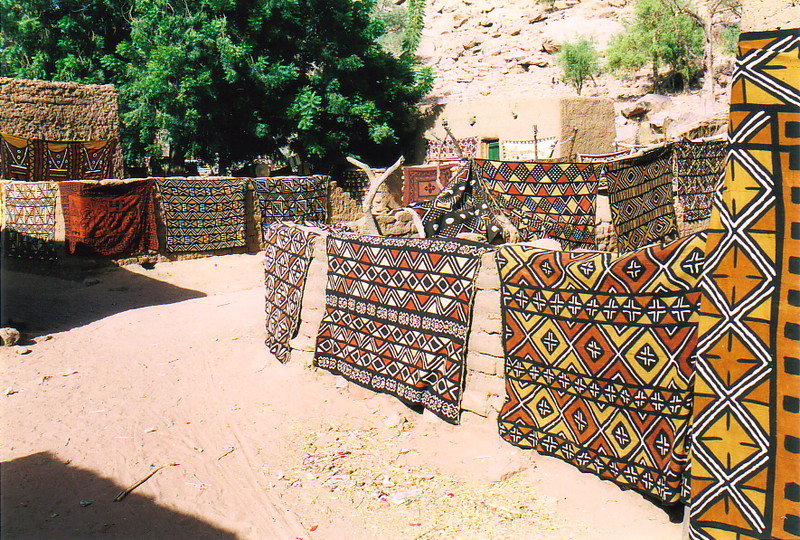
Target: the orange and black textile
(29, 211)
(745, 472)
(109, 219)
(16, 158)
(292, 198)
(599, 350)
(463, 206)
(397, 316)
(556, 200)
(699, 168)
(287, 254)
(641, 198)
(39, 160)
(424, 182)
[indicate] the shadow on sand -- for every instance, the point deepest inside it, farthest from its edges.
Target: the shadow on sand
(41, 497)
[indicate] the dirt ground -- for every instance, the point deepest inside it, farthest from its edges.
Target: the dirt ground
(130, 369)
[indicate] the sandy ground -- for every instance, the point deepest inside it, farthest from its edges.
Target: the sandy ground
(132, 369)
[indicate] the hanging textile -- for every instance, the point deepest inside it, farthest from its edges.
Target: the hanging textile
(641, 198)
(16, 158)
(29, 211)
(698, 169)
(424, 182)
(745, 472)
(292, 198)
(201, 215)
(599, 351)
(287, 255)
(445, 150)
(109, 219)
(397, 316)
(94, 160)
(528, 150)
(542, 200)
(39, 160)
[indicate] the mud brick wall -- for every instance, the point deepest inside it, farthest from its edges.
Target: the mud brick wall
(60, 111)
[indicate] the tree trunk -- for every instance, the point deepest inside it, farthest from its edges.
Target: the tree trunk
(709, 84)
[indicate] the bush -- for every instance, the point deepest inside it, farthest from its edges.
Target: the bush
(579, 60)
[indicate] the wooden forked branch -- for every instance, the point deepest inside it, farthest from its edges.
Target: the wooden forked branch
(374, 184)
(459, 151)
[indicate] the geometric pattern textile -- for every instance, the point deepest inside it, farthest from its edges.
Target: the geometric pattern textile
(599, 351)
(29, 211)
(201, 215)
(397, 316)
(545, 199)
(527, 150)
(699, 168)
(16, 158)
(463, 206)
(353, 181)
(292, 198)
(38, 160)
(601, 158)
(424, 182)
(288, 252)
(445, 150)
(642, 199)
(745, 473)
(109, 219)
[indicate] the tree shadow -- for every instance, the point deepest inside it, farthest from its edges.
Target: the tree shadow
(43, 497)
(39, 298)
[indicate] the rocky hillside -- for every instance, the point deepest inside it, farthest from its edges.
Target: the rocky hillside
(498, 48)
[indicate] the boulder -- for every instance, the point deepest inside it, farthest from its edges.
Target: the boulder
(9, 336)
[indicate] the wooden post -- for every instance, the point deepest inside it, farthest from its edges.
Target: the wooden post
(374, 184)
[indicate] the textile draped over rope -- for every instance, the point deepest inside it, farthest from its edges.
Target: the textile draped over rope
(29, 214)
(292, 198)
(445, 150)
(528, 150)
(424, 182)
(39, 160)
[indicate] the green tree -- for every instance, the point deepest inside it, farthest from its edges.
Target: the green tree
(659, 36)
(233, 78)
(579, 60)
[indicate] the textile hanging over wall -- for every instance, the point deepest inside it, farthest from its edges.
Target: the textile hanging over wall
(445, 150)
(555, 200)
(29, 211)
(109, 219)
(16, 158)
(288, 252)
(699, 167)
(292, 198)
(200, 215)
(463, 206)
(397, 316)
(641, 198)
(599, 350)
(424, 182)
(353, 181)
(528, 150)
(602, 158)
(745, 471)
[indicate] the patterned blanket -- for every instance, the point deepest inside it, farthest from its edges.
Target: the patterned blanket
(528, 150)
(397, 316)
(424, 182)
(29, 211)
(746, 424)
(292, 198)
(39, 160)
(200, 215)
(641, 198)
(16, 158)
(445, 150)
(599, 351)
(288, 251)
(463, 206)
(545, 199)
(353, 181)
(602, 158)
(699, 167)
(109, 219)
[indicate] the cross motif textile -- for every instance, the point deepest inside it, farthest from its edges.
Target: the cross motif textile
(745, 474)
(699, 169)
(397, 316)
(424, 182)
(201, 215)
(463, 206)
(555, 200)
(642, 199)
(109, 219)
(288, 251)
(599, 351)
(292, 198)
(29, 214)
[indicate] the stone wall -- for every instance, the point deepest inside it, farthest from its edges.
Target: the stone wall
(60, 111)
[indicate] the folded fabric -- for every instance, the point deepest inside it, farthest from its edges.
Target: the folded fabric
(424, 182)
(599, 351)
(200, 215)
(109, 219)
(397, 316)
(641, 198)
(699, 169)
(542, 200)
(287, 255)
(29, 214)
